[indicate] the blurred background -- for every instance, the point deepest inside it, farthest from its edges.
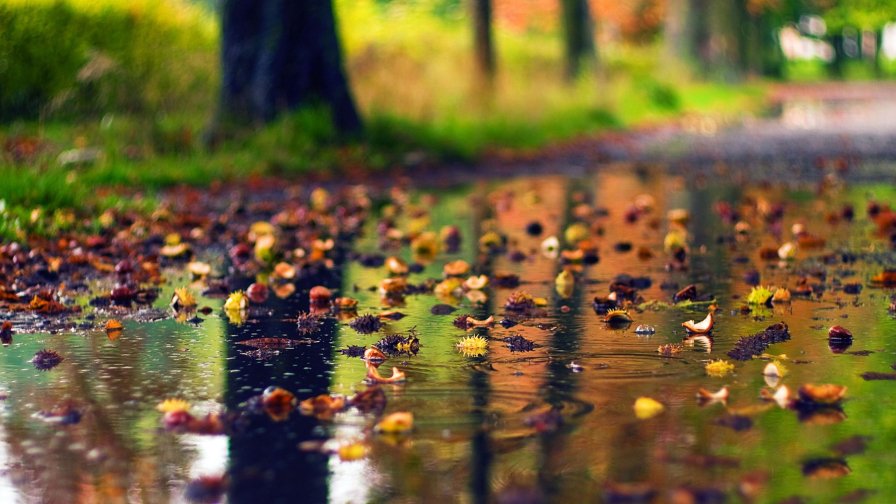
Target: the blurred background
(476, 73)
(435, 79)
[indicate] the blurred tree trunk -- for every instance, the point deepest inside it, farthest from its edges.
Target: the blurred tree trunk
(578, 36)
(718, 38)
(280, 55)
(483, 40)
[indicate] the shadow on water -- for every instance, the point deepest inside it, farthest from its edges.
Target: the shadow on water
(266, 464)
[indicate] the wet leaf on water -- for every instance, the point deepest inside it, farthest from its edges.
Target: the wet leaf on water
(565, 284)
(702, 327)
(885, 279)
(718, 368)
(183, 421)
(319, 297)
(370, 400)
(45, 359)
(706, 397)
(519, 301)
(774, 369)
(322, 407)
(396, 423)
(854, 445)
(348, 452)
(669, 349)
(374, 356)
(647, 407)
(172, 404)
(823, 394)
(839, 333)
(442, 309)
(392, 315)
(826, 468)
(374, 376)
(278, 403)
(781, 396)
(113, 325)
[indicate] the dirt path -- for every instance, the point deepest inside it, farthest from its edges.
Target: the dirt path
(811, 128)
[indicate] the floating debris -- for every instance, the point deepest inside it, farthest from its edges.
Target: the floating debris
(617, 318)
(374, 355)
(645, 329)
(353, 350)
(839, 333)
(396, 423)
(718, 368)
(669, 349)
(760, 295)
(705, 397)
(237, 301)
(323, 407)
(44, 360)
(517, 343)
(308, 323)
(278, 403)
(647, 407)
(373, 375)
(366, 324)
(825, 394)
(398, 344)
(519, 301)
(472, 345)
(826, 468)
(748, 346)
(702, 327)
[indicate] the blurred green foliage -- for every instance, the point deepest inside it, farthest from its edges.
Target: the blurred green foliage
(76, 57)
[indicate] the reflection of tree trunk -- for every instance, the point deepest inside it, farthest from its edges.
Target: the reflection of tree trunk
(483, 40)
(578, 36)
(721, 38)
(559, 391)
(265, 465)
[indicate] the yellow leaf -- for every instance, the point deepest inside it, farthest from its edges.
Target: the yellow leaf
(646, 407)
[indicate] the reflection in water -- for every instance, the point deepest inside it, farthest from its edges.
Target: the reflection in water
(266, 464)
(508, 423)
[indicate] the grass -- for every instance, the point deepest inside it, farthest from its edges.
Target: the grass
(411, 71)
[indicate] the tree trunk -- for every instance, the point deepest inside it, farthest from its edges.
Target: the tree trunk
(280, 55)
(483, 41)
(578, 31)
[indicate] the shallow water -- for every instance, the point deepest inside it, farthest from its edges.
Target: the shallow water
(474, 439)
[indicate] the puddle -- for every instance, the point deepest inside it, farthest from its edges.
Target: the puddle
(555, 422)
